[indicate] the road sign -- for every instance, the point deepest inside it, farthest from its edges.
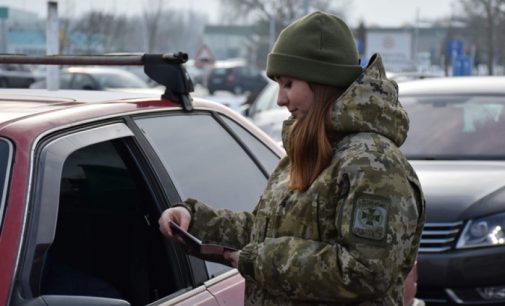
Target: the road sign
(204, 56)
(462, 65)
(4, 12)
(454, 48)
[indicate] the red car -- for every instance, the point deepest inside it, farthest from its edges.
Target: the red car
(84, 176)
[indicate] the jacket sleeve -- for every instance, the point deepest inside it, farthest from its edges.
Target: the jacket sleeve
(376, 218)
(220, 226)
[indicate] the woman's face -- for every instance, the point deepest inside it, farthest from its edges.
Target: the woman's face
(296, 95)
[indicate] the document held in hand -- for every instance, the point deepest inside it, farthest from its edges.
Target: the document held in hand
(196, 244)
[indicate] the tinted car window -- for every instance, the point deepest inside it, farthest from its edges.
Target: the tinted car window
(455, 126)
(204, 161)
(265, 155)
(5, 161)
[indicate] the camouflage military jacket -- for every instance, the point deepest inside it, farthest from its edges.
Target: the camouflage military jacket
(352, 237)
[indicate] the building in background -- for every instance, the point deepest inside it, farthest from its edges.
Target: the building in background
(21, 32)
(423, 49)
(232, 42)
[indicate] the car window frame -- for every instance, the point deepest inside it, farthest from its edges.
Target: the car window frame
(6, 176)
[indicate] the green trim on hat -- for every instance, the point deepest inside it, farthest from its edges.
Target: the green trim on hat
(311, 70)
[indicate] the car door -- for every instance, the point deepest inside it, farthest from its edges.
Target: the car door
(91, 235)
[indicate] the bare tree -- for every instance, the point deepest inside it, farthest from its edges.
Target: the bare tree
(98, 31)
(271, 16)
(181, 31)
(153, 10)
(283, 12)
(485, 21)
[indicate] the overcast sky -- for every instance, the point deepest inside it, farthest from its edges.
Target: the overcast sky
(373, 12)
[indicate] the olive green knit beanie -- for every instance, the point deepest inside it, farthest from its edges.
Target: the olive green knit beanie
(317, 48)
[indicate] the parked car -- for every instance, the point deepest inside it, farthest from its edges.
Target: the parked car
(15, 76)
(84, 178)
(457, 148)
(96, 78)
(235, 78)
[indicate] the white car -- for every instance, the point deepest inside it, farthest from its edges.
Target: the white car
(266, 114)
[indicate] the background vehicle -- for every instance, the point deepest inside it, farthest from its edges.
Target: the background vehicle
(15, 76)
(457, 148)
(96, 78)
(235, 78)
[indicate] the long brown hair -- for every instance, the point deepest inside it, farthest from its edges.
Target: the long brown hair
(309, 148)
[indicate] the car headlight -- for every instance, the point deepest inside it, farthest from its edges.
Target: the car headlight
(483, 232)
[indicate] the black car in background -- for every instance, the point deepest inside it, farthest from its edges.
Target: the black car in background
(235, 78)
(456, 144)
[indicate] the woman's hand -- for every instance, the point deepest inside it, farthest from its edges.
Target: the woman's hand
(179, 215)
(232, 258)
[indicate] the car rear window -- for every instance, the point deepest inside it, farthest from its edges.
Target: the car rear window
(219, 71)
(5, 165)
(459, 127)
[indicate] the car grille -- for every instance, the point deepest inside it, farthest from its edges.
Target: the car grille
(439, 237)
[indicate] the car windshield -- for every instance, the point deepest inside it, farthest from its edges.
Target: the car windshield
(455, 127)
(111, 80)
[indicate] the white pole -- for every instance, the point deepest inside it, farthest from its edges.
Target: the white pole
(52, 44)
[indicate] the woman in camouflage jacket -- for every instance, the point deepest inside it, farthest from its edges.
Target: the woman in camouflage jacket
(340, 220)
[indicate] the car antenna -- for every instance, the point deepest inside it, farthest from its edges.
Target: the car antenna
(165, 69)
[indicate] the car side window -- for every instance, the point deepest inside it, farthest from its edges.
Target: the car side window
(107, 242)
(65, 79)
(205, 162)
(265, 156)
(83, 81)
(5, 165)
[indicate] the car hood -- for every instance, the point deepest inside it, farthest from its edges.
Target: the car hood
(460, 190)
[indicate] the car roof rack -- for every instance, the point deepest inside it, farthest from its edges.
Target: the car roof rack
(165, 69)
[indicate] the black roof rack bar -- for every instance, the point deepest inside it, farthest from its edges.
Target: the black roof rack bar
(166, 69)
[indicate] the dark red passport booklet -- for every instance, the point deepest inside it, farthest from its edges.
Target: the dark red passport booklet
(197, 245)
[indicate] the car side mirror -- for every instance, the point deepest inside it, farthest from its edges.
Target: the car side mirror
(67, 300)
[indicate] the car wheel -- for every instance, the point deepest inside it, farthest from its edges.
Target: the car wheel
(4, 83)
(238, 90)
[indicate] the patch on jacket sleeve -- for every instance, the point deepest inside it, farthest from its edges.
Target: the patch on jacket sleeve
(370, 217)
